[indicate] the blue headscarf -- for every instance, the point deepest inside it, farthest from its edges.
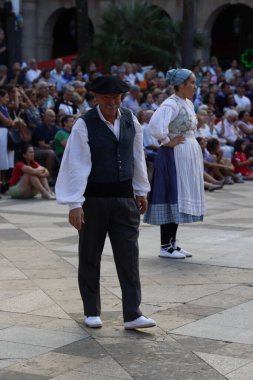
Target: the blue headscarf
(178, 76)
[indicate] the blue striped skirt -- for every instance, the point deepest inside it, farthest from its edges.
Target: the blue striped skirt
(163, 197)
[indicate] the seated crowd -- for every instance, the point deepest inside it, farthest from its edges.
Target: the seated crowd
(38, 109)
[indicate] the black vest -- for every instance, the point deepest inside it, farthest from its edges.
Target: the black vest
(112, 160)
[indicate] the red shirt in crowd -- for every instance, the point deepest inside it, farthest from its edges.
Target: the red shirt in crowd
(17, 171)
(244, 169)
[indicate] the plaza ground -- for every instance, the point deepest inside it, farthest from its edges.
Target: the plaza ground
(203, 306)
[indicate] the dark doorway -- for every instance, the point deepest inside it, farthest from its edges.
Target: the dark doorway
(232, 33)
(65, 33)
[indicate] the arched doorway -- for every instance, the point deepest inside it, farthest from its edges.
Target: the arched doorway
(65, 33)
(232, 33)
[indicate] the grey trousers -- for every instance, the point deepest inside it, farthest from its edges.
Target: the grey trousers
(120, 218)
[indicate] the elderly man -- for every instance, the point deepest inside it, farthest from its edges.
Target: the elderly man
(103, 178)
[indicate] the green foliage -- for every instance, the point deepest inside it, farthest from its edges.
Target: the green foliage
(138, 32)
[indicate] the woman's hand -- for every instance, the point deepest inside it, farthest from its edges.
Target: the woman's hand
(180, 139)
(76, 218)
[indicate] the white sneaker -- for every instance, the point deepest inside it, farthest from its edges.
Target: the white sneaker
(93, 322)
(170, 252)
(181, 250)
(140, 323)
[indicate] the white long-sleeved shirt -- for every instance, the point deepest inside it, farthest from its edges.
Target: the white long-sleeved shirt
(76, 163)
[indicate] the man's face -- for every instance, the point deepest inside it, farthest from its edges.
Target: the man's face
(108, 104)
(49, 117)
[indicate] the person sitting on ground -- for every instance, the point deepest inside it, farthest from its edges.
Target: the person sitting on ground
(241, 161)
(29, 177)
(244, 125)
(211, 184)
(214, 149)
(61, 137)
(217, 170)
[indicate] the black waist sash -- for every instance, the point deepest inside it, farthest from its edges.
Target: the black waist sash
(122, 189)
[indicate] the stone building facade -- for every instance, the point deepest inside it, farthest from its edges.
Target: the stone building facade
(40, 36)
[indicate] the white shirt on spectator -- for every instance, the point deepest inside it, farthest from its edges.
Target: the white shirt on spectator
(32, 74)
(242, 102)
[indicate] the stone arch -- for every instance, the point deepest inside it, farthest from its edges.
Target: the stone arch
(61, 29)
(230, 31)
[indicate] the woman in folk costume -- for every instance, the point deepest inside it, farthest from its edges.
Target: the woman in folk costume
(177, 190)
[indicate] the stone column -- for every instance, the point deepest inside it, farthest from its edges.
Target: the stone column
(188, 33)
(29, 43)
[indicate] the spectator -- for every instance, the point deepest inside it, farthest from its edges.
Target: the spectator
(33, 71)
(3, 75)
(65, 78)
(42, 88)
(61, 137)
(232, 72)
(244, 125)
(89, 102)
(226, 128)
(131, 101)
(241, 161)
(221, 97)
(158, 99)
(209, 100)
(65, 102)
(242, 101)
(130, 77)
(3, 49)
(150, 143)
(6, 156)
(29, 177)
(17, 75)
(230, 103)
(57, 73)
(43, 138)
(148, 102)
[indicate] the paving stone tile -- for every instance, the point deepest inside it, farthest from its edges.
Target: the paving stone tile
(18, 351)
(75, 375)
(51, 364)
(21, 376)
(51, 311)
(105, 366)
(11, 234)
(159, 361)
(6, 226)
(26, 302)
(243, 373)
(223, 364)
(4, 363)
(159, 294)
(87, 347)
(39, 337)
(46, 234)
(233, 325)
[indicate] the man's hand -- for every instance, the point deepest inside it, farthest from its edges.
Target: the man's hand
(76, 218)
(142, 203)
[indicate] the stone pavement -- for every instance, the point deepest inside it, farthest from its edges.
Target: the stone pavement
(203, 306)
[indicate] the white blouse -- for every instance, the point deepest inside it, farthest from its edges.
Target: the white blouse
(76, 163)
(165, 114)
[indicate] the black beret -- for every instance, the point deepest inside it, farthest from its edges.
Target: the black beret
(109, 85)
